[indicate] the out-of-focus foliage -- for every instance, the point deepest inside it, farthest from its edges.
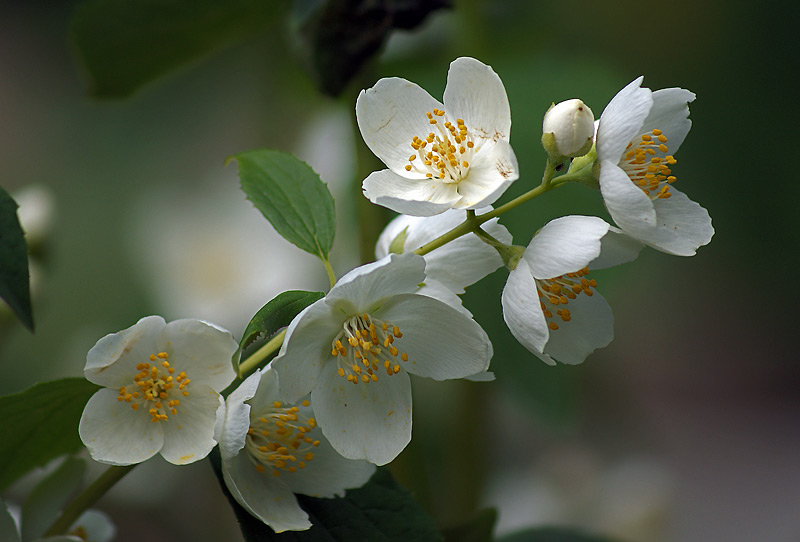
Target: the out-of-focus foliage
(14, 279)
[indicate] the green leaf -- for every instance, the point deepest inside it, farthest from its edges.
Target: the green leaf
(14, 279)
(380, 511)
(291, 196)
(552, 534)
(40, 424)
(477, 529)
(126, 43)
(273, 316)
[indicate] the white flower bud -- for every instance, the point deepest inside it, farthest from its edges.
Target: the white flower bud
(571, 124)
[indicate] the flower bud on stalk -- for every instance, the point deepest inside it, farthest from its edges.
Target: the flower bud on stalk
(568, 129)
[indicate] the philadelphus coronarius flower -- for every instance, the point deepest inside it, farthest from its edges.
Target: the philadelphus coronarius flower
(571, 124)
(550, 303)
(161, 391)
(637, 137)
(353, 349)
(452, 267)
(440, 156)
(271, 450)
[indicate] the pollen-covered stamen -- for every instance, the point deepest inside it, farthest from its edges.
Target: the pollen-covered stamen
(556, 293)
(365, 348)
(648, 164)
(446, 153)
(156, 388)
(278, 439)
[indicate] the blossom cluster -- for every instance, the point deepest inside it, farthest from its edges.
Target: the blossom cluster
(336, 400)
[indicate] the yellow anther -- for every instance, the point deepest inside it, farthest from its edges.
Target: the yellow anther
(552, 325)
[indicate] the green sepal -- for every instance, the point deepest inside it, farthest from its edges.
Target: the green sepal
(291, 196)
(14, 278)
(40, 424)
(397, 244)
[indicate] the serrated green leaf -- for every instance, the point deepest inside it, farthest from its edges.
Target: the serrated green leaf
(291, 196)
(40, 424)
(126, 43)
(278, 313)
(14, 278)
(381, 511)
(552, 534)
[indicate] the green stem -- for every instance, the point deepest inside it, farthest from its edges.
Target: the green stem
(272, 346)
(329, 270)
(87, 498)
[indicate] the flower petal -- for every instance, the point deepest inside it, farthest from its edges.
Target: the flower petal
(441, 342)
(522, 310)
(306, 346)
(189, 434)
(475, 93)
(670, 114)
(366, 286)
(437, 290)
(233, 432)
(591, 326)
(565, 245)
(201, 349)
(622, 120)
(617, 247)
(116, 434)
(390, 115)
(683, 226)
(263, 495)
(492, 171)
(112, 361)
(628, 205)
(418, 197)
(364, 421)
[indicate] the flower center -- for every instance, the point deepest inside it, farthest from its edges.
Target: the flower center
(364, 346)
(647, 164)
(558, 291)
(450, 152)
(156, 389)
(278, 439)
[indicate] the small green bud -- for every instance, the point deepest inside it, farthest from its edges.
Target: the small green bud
(568, 129)
(397, 244)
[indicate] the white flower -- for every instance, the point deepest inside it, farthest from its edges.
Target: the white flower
(637, 136)
(452, 267)
(353, 349)
(549, 302)
(572, 124)
(160, 395)
(271, 450)
(454, 155)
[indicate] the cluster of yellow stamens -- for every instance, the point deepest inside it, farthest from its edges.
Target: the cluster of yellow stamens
(554, 294)
(153, 387)
(364, 347)
(450, 151)
(647, 164)
(278, 440)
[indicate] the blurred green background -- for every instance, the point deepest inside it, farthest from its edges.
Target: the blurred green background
(686, 428)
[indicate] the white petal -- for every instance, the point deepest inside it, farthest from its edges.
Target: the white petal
(8, 527)
(365, 287)
(418, 197)
(233, 433)
(437, 290)
(390, 115)
(264, 495)
(98, 526)
(116, 434)
(112, 361)
(617, 247)
(683, 226)
(492, 171)
(189, 434)
(670, 114)
(484, 376)
(441, 342)
(522, 310)
(201, 349)
(591, 326)
(328, 474)
(622, 120)
(475, 93)
(306, 347)
(565, 245)
(364, 421)
(628, 205)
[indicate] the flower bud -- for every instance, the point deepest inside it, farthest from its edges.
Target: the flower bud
(568, 129)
